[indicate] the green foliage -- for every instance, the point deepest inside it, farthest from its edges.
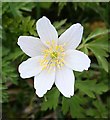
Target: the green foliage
(97, 42)
(100, 110)
(61, 6)
(74, 106)
(28, 26)
(9, 72)
(100, 48)
(91, 87)
(96, 33)
(3, 93)
(8, 75)
(59, 26)
(15, 9)
(51, 100)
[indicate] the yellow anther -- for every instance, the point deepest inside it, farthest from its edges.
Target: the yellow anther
(53, 56)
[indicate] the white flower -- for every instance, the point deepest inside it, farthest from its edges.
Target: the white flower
(53, 59)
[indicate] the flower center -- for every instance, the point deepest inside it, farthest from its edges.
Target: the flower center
(53, 56)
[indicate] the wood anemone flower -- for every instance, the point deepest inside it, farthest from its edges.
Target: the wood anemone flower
(53, 59)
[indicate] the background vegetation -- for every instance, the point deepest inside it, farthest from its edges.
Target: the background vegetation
(91, 87)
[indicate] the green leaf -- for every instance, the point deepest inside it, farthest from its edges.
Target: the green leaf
(100, 110)
(73, 105)
(101, 42)
(15, 8)
(99, 47)
(90, 87)
(65, 105)
(9, 71)
(100, 54)
(99, 88)
(86, 87)
(27, 6)
(76, 103)
(85, 50)
(16, 54)
(3, 93)
(96, 33)
(59, 24)
(28, 26)
(51, 99)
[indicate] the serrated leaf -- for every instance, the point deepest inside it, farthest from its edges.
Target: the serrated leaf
(51, 99)
(100, 88)
(76, 103)
(73, 105)
(65, 105)
(85, 87)
(89, 87)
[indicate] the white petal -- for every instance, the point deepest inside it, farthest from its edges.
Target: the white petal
(77, 60)
(72, 36)
(44, 82)
(65, 81)
(30, 45)
(46, 30)
(30, 67)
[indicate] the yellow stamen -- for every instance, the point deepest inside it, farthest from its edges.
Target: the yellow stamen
(53, 56)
